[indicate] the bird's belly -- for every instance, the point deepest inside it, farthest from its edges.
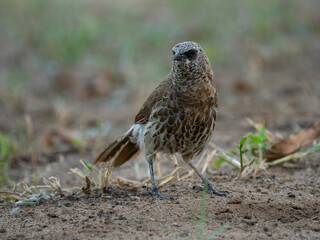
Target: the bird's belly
(187, 135)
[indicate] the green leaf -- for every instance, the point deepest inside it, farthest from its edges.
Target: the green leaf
(232, 152)
(88, 166)
(8, 197)
(4, 145)
(218, 162)
(233, 162)
(262, 133)
(244, 150)
(254, 139)
(242, 141)
(78, 142)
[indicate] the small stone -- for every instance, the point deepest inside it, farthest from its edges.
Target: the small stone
(234, 201)
(297, 206)
(291, 195)
(72, 198)
(183, 234)
(68, 204)
(251, 223)
(122, 218)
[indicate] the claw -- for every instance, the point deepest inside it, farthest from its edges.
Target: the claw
(211, 190)
(155, 194)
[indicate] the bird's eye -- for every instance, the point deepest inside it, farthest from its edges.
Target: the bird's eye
(191, 53)
(173, 53)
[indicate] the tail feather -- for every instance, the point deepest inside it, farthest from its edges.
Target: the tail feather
(122, 150)
(129, 151)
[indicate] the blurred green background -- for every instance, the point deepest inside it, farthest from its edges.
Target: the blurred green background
(78, 63)
(134, 37)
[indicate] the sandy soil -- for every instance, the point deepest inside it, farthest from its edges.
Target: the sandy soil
(277, 204)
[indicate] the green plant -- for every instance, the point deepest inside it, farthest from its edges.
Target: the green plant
(6, 150)
(88, 166)
(249, 150)
(257, 143)
(241, 152)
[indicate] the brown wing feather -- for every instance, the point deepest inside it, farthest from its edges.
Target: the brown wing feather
(128, 151)
(121, 149)
(146, 109)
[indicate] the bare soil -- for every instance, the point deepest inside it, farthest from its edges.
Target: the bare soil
(277, 204)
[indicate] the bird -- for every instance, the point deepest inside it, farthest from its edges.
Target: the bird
(178, 117)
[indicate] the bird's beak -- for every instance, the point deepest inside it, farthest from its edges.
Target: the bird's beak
(179, 57)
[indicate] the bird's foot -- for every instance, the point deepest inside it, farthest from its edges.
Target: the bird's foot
(155, 194)
(210, 190)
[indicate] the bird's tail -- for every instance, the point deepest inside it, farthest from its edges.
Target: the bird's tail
(121, 150)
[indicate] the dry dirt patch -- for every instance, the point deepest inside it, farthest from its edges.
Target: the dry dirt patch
(278, 204)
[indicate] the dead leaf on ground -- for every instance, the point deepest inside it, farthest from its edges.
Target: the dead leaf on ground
(293, 142)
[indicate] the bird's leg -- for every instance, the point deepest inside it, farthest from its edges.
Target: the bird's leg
(210, 188)
(153, 189)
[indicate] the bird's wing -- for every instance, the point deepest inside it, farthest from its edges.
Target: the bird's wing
(156, 96)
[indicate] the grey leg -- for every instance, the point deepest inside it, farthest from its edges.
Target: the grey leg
(153, 189)
(211, 189)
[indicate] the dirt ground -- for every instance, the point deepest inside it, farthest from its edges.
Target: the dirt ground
(282, 203)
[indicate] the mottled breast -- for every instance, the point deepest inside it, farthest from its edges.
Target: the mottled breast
(182, 121)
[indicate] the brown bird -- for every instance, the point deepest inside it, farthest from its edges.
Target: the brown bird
(178, 117)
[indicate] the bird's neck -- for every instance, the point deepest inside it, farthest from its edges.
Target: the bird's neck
(191, 75)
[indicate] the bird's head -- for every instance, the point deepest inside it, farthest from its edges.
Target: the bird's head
(189, 60)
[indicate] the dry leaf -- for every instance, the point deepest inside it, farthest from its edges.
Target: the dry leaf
(293, 142)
